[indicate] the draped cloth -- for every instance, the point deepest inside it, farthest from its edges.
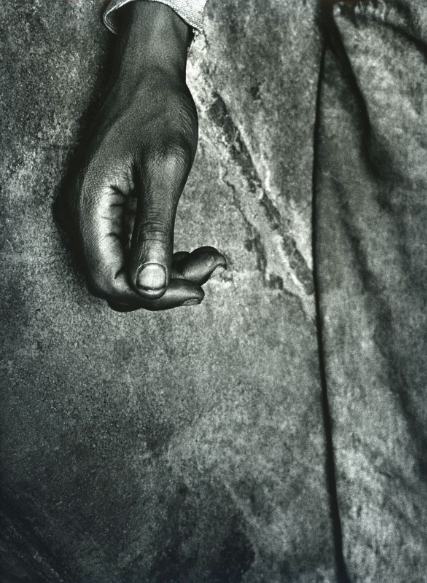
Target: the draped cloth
(370, 220)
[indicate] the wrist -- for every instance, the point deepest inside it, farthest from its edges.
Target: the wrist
(152, 37)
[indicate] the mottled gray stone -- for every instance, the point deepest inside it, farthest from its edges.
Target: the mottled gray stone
(183, 446)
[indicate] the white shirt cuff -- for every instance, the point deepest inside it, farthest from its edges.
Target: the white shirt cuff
(189, 10)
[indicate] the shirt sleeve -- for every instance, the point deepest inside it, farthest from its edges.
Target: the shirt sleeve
(189, 10)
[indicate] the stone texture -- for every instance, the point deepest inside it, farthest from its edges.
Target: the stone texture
(185, 446)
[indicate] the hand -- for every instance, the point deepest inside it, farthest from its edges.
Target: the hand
(140, 151)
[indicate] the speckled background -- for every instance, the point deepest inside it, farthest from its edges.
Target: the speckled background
(190, 446)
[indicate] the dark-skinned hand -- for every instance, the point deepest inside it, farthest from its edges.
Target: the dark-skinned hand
(139, 153)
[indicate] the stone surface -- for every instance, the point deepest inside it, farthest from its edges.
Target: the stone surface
(185, 446)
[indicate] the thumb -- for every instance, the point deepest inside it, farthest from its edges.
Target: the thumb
(159, 187)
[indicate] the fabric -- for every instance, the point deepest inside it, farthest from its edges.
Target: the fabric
(371, 263)
(189, 10)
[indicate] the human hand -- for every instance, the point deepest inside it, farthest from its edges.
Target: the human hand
(140, 150)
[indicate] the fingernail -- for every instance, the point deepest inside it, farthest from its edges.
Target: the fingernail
(152, 277)
(193, 302)
(217, 271)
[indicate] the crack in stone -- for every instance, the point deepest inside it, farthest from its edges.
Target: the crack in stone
(218, 113)
(254, 241)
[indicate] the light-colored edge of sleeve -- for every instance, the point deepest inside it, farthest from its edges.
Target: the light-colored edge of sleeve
(193, 17)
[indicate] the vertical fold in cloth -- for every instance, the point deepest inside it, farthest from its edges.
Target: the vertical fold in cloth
(371, 257)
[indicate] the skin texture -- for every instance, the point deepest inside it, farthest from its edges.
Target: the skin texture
(138, 155)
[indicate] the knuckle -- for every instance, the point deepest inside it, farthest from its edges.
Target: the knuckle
(172, 159)
(154, 230)
(175, 159)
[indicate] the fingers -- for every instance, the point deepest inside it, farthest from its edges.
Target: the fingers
(200, 265)
(180, 293)
(159, 184)
(180, 255)
(189, 271)
(104, 250)
(101, 235)
(105, 253)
